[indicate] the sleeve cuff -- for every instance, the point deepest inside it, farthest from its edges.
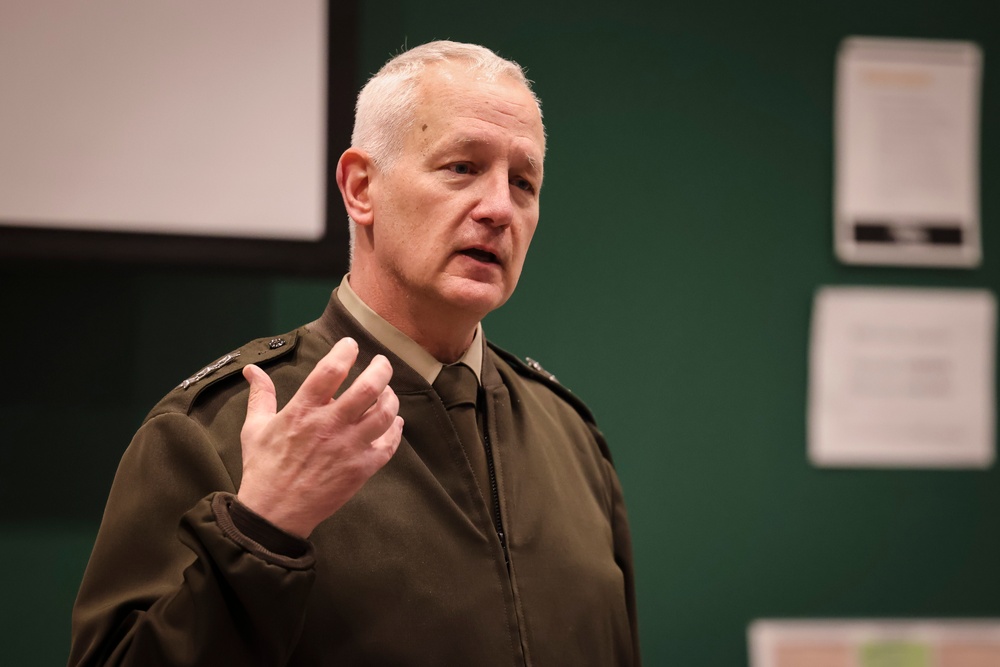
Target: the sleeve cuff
(259, 536)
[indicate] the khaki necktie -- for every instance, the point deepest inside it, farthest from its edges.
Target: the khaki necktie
(458, 388)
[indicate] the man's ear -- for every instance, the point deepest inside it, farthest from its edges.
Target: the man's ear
(354, 171)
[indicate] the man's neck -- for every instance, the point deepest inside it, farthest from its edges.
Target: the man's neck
(441, 345)
(445, 338)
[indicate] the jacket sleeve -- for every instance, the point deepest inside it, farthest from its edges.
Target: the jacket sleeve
(171, 580)
(623, 556)
(622, 536)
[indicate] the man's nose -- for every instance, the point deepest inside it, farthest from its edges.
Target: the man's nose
(495, 206)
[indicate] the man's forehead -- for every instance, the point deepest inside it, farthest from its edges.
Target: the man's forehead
(467, 111)
(459, 81)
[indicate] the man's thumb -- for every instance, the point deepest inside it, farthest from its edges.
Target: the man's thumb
(263, 400)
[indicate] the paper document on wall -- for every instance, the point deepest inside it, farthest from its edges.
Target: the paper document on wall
(902, 377)
(874, 643)
(907, 152)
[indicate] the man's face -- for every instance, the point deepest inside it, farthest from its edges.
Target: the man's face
(455, 213)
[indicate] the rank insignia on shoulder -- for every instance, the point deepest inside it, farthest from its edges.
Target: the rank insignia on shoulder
(537, 367)
(208, 370)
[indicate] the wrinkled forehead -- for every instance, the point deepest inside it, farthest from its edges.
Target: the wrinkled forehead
(447, 92)
(458, 71)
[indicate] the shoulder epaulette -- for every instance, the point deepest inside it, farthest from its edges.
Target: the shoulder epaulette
(532, 369)
(261, 351)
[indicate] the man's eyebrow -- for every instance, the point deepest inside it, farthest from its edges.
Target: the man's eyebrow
(471, 142)
(464, 141)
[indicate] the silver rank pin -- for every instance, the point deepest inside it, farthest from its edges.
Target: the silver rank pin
(535, 366)
(208, 370)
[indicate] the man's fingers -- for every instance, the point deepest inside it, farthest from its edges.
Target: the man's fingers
(365, 391)
(325, 379)
(379, 417)
(388, 442)
(384, 447)
(263, 400)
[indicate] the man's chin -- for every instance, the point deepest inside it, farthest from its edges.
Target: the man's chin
(475, 297)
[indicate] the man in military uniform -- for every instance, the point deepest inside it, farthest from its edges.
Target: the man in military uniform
(381, 486)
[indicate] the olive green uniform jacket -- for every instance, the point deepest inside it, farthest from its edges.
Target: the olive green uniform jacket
(411, 571)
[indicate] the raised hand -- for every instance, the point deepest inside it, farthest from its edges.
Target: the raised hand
(300, 465)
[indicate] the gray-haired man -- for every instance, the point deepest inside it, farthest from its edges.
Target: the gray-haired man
(381, 486)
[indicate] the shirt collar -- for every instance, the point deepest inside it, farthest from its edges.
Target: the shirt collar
(402, 345)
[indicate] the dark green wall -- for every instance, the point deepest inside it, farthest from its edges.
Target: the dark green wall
(686, 223)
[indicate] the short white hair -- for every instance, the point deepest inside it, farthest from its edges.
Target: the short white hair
(387, 104)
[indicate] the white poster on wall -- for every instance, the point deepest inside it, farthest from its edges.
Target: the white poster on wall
(907, 152)
(902, 377)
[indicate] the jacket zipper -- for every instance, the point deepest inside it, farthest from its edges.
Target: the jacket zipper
(498, 524)
(495, 493)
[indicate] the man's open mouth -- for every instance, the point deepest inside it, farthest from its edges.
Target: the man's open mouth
(481, 255)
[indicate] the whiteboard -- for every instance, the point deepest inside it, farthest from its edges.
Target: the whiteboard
(192, 117)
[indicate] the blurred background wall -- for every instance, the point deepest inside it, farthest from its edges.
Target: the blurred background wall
(686, 224)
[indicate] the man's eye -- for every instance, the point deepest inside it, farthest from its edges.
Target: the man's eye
(461, 168)
(522, 184)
